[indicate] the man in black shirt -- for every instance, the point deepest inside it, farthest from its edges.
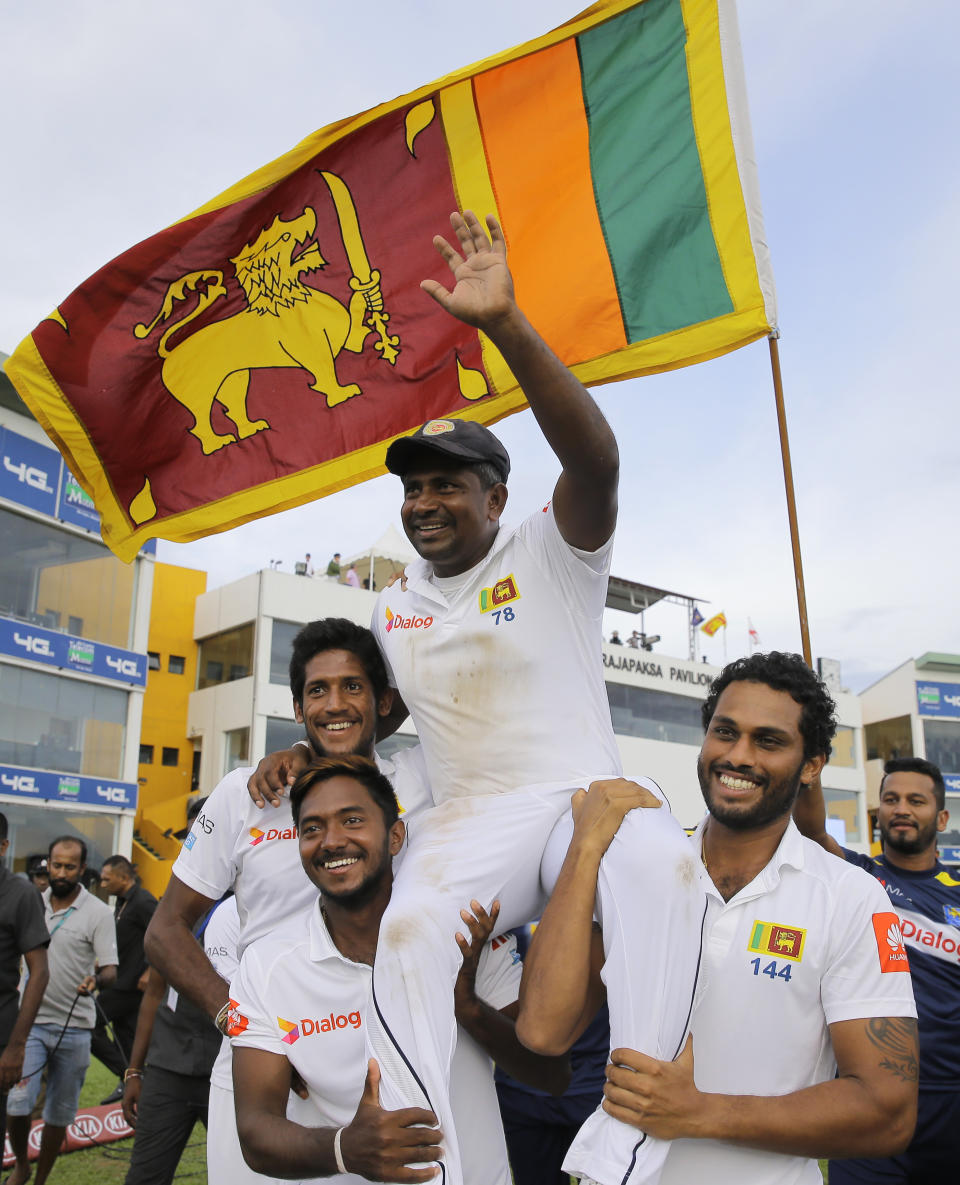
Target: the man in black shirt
(120, 1003)
(23, 932)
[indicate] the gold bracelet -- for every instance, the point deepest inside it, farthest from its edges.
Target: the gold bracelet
(221, 1019)
(131, 1072)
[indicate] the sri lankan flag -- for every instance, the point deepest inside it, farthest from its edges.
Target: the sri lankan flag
(266, 349)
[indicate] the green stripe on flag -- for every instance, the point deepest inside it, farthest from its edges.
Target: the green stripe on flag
(646, 171)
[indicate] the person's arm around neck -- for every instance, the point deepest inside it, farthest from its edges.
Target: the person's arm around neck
(810, 816)
(172, 949)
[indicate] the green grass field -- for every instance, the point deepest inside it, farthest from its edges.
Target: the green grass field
(108, 1165)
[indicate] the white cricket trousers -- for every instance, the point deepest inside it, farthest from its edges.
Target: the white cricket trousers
(490, 848)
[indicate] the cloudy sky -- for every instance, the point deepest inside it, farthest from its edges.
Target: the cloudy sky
(119, 118)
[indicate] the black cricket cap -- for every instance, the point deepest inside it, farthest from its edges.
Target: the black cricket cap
(464, 440)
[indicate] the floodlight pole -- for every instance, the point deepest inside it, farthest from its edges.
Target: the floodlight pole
(791, 500)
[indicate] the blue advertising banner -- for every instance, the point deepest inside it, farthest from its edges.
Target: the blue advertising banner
(950, 855)
(939, 699)
(38, 783)
(75, 505)
(67, 652)
(952, 783)
(34, 475)
(29, 472)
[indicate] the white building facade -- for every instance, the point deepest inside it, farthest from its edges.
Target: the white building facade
(914, 711)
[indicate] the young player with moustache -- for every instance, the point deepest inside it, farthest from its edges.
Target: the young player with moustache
(349, 829)
(803, 977)
(493, 641)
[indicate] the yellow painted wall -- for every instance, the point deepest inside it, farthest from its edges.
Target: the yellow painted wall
(164, 788)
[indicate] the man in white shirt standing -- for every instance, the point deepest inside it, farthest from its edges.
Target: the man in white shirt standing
(302, 999)
(804, 970)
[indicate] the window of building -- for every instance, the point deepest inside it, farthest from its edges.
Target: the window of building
(176, 664)
(844, 753)
(170, 756)
(230, 651)
(656, 715)
(236, 749)
(282, 734)
(153, 660)
(146, 755)
(281, 643)
(32, 826)
(195, 771)
(58, 723)
(842, 804)
(48, 576)
(888, 738)
(941, 739)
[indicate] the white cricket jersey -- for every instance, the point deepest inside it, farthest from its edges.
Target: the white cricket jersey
(234, 844)
(808, 943)
(502, 671)
(303, 1000)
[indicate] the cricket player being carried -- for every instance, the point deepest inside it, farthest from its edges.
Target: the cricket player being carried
(493, 642)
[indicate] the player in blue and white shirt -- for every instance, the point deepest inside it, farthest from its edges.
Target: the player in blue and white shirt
(926, 896)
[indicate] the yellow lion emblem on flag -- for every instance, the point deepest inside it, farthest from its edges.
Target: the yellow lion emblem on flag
(285, 323)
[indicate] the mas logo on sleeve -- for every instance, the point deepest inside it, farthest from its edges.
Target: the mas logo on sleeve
(772, 938)
(890, 948)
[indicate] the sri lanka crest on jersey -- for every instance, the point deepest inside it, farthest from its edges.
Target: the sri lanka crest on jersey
(503, 591)
(783, 942)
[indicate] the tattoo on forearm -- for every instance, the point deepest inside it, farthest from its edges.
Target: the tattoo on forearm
(896, 1038)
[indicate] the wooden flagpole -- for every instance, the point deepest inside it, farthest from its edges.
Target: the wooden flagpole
(791, 501)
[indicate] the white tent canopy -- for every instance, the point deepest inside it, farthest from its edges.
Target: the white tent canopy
(387, 557)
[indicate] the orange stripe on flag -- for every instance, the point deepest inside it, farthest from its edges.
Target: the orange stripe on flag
(527, 142)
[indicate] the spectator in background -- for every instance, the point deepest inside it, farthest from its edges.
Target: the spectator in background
(615, 638)
(309, 566)
(167, 1085)
(351, 577)
(82, 936)
(37, 872)
(23, 932)
(634, 640)
(333, 568)
(119, 1004)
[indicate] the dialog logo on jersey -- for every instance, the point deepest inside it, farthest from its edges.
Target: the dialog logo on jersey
(308, 1027)
(257, 836)
(396, 621)
(291, 1031)
(783, 942)
(890, 947)
(503, 591)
